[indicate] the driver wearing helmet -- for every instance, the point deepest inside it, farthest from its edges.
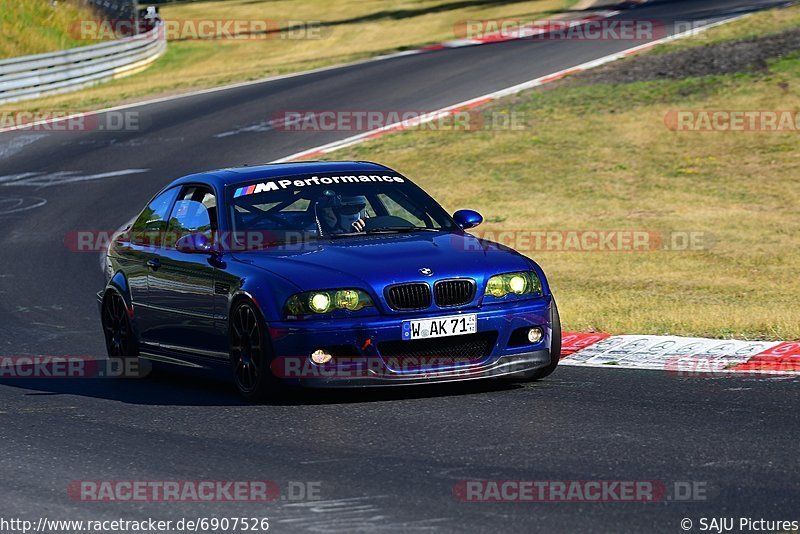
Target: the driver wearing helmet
(340, 214)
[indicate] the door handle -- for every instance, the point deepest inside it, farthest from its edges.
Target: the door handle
(153, 264)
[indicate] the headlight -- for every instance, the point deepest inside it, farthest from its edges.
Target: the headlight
(319, 302)
(327, 301)
(522, 283)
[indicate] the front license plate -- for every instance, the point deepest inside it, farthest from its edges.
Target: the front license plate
(454, 325)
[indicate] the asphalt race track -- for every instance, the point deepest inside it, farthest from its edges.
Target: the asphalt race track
(386, 460)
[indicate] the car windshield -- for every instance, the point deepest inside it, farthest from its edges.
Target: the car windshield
(299, 208)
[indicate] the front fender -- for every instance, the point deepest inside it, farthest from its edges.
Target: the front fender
(266, 291)
(119, 283)
(542, 277)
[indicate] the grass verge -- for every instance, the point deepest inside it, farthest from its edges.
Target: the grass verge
(598, 156)
(36, 26)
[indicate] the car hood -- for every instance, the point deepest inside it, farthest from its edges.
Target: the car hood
(380, 260)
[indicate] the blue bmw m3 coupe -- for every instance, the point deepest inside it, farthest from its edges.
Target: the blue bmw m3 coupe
(322, 274)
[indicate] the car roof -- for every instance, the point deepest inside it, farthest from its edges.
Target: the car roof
(234, 175)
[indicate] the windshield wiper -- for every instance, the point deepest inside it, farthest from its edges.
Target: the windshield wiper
(400, 229)
(337, 236)
(382, 230)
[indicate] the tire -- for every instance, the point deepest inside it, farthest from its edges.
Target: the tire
(555, 350)
(118, 331)
(122, 345)
(250, 354)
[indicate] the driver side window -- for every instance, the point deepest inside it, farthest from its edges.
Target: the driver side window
(195, 211)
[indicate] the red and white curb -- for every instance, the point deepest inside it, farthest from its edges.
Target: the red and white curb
(685, 356)
(480, 100)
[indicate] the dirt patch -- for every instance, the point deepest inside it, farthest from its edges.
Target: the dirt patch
(747, 55)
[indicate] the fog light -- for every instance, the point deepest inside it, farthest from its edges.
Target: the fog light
(320, 357)
(535, 334)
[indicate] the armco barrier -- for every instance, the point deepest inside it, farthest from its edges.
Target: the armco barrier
(22, 78)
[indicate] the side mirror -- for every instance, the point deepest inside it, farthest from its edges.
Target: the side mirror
(466, 219)
(195, 243)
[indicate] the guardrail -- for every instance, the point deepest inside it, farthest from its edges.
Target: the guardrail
(22, 78)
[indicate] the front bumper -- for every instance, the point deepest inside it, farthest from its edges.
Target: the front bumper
(504, 366)
(365, 364)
